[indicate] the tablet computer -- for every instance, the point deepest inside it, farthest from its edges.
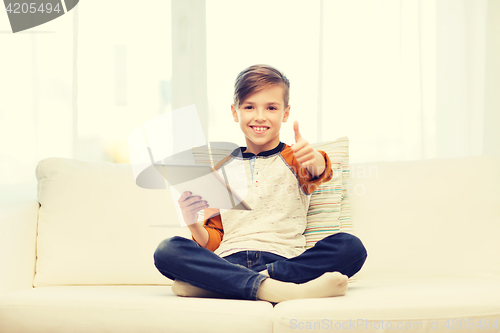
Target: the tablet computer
(204, 181)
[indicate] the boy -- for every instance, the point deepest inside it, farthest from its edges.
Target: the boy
(259, 254)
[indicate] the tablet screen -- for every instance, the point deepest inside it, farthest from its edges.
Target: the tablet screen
(204, 181)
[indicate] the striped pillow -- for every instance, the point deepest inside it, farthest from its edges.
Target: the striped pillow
(329, 209)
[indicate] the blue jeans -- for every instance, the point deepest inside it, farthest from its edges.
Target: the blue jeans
(237, 275)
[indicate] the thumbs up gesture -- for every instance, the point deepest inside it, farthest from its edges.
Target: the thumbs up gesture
(304, 153)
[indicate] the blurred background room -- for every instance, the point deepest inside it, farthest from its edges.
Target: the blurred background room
(403, 79)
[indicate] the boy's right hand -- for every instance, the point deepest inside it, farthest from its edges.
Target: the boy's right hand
(190, 206)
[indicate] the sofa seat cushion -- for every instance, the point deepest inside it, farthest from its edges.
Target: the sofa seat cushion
(373, 305)
(124, 309)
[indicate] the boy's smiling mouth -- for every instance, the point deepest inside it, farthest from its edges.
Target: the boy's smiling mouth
(259, 129)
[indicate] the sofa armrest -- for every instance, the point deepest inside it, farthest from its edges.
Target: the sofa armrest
(18, 229)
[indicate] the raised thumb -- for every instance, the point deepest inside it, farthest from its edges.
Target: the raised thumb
(296, 130)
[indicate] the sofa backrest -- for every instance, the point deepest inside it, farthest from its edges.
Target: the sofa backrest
(429, 218)
(96, 226)
(419, 218)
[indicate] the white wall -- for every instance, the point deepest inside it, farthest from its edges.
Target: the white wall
(492, 82)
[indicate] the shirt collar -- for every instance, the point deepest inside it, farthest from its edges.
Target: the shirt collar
(238, 152)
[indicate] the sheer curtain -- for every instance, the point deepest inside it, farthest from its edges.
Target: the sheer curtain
(404, 80)
(75, 87)
(35, 101)
(124, 73)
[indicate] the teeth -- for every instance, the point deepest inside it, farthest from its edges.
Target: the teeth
(260, 129)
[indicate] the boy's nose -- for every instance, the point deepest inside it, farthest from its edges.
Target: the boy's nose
(260, 115)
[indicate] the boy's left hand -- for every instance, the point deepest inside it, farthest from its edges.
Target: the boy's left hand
(304, 153)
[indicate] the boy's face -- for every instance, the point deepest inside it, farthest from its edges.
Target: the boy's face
(262, 110)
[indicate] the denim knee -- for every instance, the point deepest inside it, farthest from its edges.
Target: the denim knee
(352, 245)
(355, 246)
(169, 250)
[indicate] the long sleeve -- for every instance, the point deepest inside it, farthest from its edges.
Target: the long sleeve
(213, 225)
(306, 180)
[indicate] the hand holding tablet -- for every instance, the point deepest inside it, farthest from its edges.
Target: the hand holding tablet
(190, 206)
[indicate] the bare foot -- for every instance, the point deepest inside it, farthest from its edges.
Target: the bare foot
(327, 285)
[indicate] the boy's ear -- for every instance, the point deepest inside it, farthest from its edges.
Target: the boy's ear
(286, 114)
(235, 114)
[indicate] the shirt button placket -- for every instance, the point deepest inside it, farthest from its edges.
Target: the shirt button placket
(257, 178)
(256, 172)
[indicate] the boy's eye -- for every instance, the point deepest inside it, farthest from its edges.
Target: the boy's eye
(251, 107)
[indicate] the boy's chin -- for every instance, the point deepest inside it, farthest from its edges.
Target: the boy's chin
(260, 142)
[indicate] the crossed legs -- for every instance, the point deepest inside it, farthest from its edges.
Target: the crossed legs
(321, 271)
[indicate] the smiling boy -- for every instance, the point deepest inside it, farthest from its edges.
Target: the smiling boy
(261, 117)
(259, 254)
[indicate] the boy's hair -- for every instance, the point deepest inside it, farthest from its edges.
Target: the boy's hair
(256, 78)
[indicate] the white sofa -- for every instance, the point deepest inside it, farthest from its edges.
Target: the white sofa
(83, 260)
